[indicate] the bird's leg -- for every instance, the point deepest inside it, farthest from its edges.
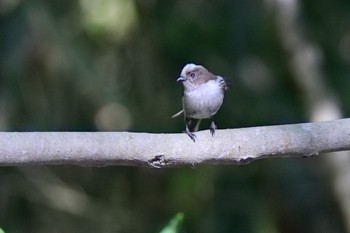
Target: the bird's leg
(188, 131)
(190, 134)
(213, 127)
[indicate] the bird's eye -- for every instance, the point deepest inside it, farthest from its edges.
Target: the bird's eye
(192, 74)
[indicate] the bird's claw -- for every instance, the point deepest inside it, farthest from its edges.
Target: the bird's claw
(190, 134)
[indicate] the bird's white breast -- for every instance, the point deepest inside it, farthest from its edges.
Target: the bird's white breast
(203, 101)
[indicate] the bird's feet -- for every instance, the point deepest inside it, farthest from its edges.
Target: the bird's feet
(213, 127)
(190, 134)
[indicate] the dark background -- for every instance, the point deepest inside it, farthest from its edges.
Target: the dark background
(112, 65)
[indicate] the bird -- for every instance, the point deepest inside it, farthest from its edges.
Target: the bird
(202, 97)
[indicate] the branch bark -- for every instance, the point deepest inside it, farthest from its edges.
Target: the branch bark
(230, 146)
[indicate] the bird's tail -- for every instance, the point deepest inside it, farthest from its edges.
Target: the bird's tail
(177, 114)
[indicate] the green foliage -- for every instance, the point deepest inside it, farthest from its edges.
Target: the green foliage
(174, 225)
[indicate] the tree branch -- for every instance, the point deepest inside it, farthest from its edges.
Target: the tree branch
(230, 146)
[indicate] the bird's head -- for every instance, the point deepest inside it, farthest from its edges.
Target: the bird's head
(193, 75)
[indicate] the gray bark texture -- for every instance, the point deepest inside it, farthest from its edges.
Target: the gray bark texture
(229, 146)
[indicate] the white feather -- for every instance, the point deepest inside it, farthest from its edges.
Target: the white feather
(204, 100)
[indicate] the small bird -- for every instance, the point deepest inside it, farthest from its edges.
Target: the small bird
(202, 97)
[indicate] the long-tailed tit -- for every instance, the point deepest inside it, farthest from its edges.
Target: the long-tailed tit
(202, 97)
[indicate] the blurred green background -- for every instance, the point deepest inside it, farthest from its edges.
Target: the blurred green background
(112, 65)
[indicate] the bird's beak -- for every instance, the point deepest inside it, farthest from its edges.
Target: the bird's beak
(181, 79)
